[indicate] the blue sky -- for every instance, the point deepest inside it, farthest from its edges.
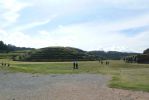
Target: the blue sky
(120, 25)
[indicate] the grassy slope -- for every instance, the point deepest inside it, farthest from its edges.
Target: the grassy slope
(126, 76)
(13, 53)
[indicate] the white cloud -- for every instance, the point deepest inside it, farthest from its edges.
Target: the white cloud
(127, 4)
(10, 9)
(85, 35)
(31, 25)
(94, 35)
(2, 32)
(43, 32)
(63, 7)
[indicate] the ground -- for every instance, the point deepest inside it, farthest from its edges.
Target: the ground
(22, 86)
(124, 75)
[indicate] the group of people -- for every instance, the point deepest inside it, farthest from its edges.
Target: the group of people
(75, 65)
(5, 64)
(102, 62)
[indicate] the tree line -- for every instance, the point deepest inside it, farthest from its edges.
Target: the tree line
(4, 48)
(111, 55)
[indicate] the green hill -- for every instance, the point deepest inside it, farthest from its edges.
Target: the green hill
(10, 51)
(68, 54)
(13, 54)
(56, 54)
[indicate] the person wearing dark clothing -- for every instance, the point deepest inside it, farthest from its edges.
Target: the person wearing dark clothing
(74, 65)
(101, 62)
(106, 62)
(77, 67)
(8, 65)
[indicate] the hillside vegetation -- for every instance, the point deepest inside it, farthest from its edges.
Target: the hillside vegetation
(56, 54)
(4, 48)
(69, 54)
(144, 58)
(146, 51)
(139, 58)
(111, 55)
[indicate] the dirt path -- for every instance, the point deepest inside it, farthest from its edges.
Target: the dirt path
(21, 86)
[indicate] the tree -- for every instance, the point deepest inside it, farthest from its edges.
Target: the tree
(3, 47)
(146, 51)
(7, 48)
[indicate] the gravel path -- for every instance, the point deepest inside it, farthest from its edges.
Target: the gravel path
(20, 86)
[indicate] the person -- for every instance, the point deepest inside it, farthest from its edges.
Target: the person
(8, 64)
(74, 65)
(5, 64)
(101, 62)
(106, 62)
(77, 66)
(2, 63)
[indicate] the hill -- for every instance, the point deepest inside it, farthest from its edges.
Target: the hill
(56, 54)
(69, 54)
(10, 51)
(112, 55)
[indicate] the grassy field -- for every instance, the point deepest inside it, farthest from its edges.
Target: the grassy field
(126, 76)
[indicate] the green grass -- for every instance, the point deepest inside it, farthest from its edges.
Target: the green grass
(12, 53)
(125, 76)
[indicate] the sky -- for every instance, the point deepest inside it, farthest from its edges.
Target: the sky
(110, 25)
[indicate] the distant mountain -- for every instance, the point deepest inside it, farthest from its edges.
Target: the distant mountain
(113, 55)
